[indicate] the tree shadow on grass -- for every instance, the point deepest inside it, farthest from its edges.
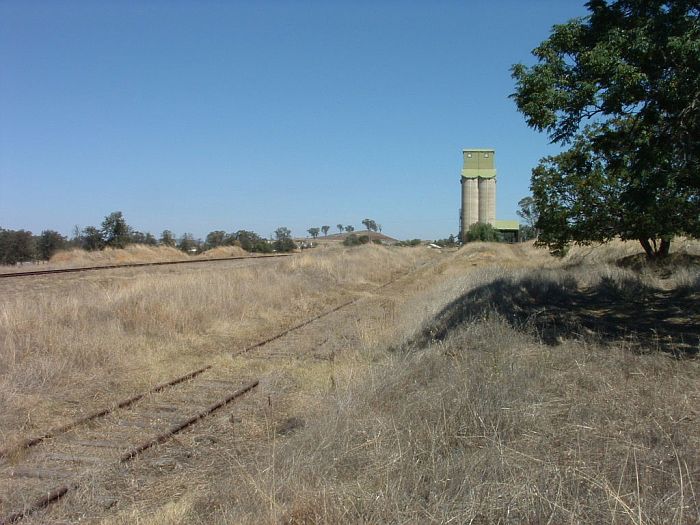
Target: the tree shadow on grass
(613, 311)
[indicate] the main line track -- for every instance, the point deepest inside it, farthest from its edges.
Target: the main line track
(137, 265)
(125, 452)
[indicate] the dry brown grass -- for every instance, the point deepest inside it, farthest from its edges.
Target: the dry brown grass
(466, 393)
(99, 338)
(491, 426)
(490, 423)
(133, 253)
(223, 251)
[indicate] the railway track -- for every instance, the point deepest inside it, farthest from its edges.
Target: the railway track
(136, 265)
(47, 471)
(41, 470)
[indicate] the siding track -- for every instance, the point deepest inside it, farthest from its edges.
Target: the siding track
(41, 470)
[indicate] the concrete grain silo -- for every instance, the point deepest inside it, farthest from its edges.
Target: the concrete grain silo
(470, 201)
(487, 201)
(478, 188)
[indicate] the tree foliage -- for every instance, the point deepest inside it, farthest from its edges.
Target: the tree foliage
(314, 232)
(167, 238)
(16, 246)
(91, 239)
(480, 231)
(188, 243)
(49, 242)
(621, 89)
(325, 229)
(370, 224)
(137, 237)
(527, 210)
(216, 238)
(283, 240)
(115, 230)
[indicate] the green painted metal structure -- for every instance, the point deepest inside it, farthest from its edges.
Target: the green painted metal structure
(507, 225)
(479, 163)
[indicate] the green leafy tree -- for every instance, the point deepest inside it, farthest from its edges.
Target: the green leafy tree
(480, 231)
(49, 242)
(16, 246)
(137, 237)
(283, 240)
(370, 224)
(621, 88)
(340, 228)
(215, 239)
(527, 210)
(250, 241)
(91, 239)
(115, 230)
(167, 238)
(188, 243)
(314, 232)
(349, 229)
(325, 229)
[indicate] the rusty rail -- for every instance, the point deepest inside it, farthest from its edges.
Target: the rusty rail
(308, 321)
(135, 265)
(100, 413)
(30, 442)
(44, 501)
(179, 427)
(60, 492)
(56, 494)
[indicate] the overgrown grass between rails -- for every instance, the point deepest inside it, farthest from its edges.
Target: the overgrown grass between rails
(94, 341)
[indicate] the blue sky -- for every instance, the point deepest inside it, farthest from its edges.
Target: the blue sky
(198, 116)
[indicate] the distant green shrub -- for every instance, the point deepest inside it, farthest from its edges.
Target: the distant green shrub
(447, 243)
(354, 240)
(483, 232)
(284, 245)
(410, 242)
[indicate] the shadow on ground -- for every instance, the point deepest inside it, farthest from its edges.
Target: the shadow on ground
(648, 319)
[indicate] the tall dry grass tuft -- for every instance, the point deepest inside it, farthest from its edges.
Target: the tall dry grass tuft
(489, 426)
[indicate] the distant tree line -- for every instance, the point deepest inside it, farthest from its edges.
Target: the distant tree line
(17, 246)
(369, 224)
(21, 245)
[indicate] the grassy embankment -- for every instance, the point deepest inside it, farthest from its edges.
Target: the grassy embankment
(504, 406)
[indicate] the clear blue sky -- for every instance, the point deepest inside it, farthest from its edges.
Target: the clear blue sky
(197, 116)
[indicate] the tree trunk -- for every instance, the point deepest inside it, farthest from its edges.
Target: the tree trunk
(647, 247)
(654, 252)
